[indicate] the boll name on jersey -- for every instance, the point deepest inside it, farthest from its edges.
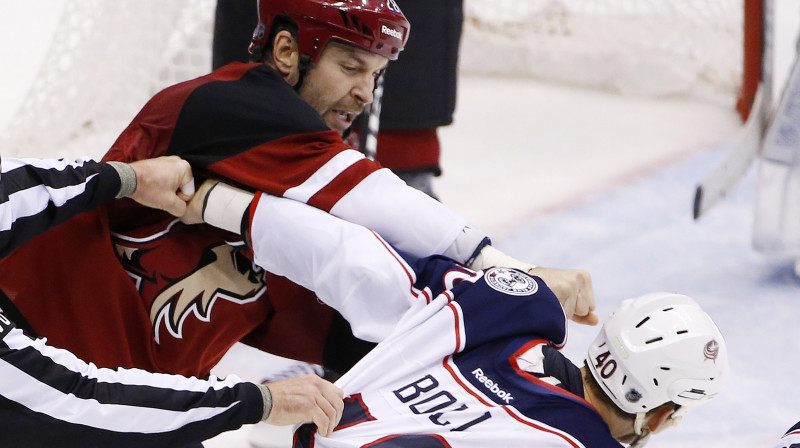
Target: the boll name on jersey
(392, 32)
(427, 397)
(492, 386)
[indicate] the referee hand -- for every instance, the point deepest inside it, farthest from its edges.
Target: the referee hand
(161, 182)
(306, 398)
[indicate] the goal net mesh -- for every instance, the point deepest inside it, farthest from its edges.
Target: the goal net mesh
(647, 47)
(108, 57)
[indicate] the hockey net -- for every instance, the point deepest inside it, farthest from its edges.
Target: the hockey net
(107, 58)
(643, 47)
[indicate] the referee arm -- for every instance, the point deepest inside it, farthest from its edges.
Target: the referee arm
(49, 397)
(36, 194)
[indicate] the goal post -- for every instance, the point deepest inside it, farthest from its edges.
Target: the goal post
(753, 52)
(754, 105)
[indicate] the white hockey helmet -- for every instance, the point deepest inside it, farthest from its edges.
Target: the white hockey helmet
(658, 348)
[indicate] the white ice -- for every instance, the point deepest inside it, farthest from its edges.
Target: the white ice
(566, 177)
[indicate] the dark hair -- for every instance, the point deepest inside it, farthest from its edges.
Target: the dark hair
(598, 392)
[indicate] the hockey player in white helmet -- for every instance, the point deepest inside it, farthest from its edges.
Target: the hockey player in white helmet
(656, 358)
(470, 358)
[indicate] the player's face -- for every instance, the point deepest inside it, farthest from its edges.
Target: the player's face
(340, 83)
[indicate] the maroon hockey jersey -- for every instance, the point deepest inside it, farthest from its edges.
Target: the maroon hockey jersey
(134, 287)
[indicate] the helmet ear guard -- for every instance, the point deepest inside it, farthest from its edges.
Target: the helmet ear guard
(377, 26)
(656, 349)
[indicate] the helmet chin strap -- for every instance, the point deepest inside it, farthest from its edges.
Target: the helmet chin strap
(642, 434)
(640, 441)
(638, 423)
(303, 65)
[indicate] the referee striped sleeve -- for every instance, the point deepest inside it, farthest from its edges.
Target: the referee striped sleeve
(36, 194)
(48, 397)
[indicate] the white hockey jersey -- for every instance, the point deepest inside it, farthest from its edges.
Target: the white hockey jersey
(447, 371)
(791, 438)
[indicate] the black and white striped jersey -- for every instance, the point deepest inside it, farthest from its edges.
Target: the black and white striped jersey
(36, 194)
(49, 397)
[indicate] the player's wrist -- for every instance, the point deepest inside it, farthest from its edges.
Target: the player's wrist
(490, 257)
(467, 245)
(127, 178)
(226, 207)
(266, 396)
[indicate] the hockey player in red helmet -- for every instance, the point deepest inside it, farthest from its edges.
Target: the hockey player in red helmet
(377, 26)
(331, 51)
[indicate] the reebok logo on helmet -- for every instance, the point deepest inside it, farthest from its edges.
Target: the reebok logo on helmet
(397, 34)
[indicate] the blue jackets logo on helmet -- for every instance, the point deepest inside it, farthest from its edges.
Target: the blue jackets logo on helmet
(711, 350)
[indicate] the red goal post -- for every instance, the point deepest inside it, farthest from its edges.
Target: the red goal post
(753, 53)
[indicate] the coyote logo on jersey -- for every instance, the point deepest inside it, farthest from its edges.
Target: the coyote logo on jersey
(177, 288)
(196, 293)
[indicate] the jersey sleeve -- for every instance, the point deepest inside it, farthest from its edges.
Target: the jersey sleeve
(52, 398)
(349, 267)
(38, 194)
(244, 124)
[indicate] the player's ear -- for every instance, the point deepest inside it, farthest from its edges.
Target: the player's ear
(286, 57)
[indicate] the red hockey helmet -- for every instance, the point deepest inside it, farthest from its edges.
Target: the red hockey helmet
(374, 25)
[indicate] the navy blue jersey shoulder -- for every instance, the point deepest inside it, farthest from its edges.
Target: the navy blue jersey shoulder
(491, 313)
(223, 118)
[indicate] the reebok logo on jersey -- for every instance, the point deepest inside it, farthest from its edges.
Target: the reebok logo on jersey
(391, 32)
(492, 386)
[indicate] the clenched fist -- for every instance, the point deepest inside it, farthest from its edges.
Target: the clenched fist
(573, 288)
(158, 182)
